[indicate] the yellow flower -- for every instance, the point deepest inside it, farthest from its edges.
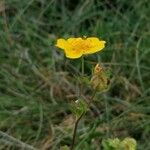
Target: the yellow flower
(76, 47)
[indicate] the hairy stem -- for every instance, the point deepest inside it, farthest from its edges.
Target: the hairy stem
(75, 131)
(78, 120)
(82, 75)
(91, 99)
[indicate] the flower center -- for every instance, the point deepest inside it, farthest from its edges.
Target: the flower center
(81, 46)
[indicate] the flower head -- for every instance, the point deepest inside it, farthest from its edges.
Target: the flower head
(76, 47)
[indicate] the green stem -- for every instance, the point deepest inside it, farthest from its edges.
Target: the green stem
(82, 75)
(82, 71)
(75, 131)
(91, 99)
(78, 120)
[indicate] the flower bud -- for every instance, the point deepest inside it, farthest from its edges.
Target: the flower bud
(100, 79)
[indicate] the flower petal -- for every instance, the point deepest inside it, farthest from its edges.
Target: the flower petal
(74, 41)
(63, 44)
(95, 45)
(70, 53)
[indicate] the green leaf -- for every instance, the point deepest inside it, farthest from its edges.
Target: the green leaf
(65, 148)
(116, 144)
(111, 144)
(79, 107)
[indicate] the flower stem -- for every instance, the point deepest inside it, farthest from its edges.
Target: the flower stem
(90, 101)
(92, 97)
(82, 71)
(82, 75)
(75, 131)
(80, 93)
(78, 120)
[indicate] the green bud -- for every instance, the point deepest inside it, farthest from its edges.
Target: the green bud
(79, 107)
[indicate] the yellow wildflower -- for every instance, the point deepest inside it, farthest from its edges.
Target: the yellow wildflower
(76, 47)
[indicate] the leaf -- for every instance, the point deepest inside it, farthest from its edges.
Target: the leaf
(111, 144)
(65, 148)
(79, 107)
(116, 144)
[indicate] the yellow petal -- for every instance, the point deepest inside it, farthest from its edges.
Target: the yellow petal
(63, 44)
(95, 45)
(74, 41)
(69, 47)
(74, 51)
(70, 53)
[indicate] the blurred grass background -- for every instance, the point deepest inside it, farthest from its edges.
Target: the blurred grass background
(37, 81)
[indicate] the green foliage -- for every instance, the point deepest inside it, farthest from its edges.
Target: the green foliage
(65, 148)
(116, 144)
(79, 107)
(111, 144)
